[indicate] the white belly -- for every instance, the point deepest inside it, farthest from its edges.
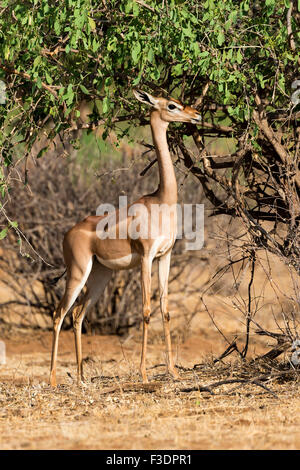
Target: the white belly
(126, 262)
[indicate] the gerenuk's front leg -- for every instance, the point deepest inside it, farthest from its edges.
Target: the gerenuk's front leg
(163, 274)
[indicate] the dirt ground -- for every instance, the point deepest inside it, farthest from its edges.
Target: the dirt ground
(115, 411)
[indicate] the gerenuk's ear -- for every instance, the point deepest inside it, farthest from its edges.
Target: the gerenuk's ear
(145, 97)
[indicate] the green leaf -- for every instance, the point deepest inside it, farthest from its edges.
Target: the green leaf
(84, 89)
(239, 57)
(112, 44)
(92, 24)
(246, 5)
(105, 104)
(177, 70)
(37, 61)
(128, 6)
(48, 78)
(69, 96)
(57, 27)
(135, 9)
(137, 80)
(42, 151)
(39, 82)
(220, 38)
(135, 52)
(150, 56)
(155, 74)
(95, 45)
(3, 233)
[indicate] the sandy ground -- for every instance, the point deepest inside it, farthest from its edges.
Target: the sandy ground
(115, 411)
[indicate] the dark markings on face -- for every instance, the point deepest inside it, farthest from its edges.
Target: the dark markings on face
(172, 106)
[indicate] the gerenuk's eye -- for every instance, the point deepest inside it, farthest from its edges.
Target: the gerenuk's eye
(171, 106)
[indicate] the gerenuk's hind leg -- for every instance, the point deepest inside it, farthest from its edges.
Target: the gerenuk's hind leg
(146, 266)
(96, 283)
(76, 279)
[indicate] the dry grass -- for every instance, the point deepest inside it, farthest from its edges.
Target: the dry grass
(115, 411)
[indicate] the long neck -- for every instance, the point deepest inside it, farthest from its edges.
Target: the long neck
(167, 191)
